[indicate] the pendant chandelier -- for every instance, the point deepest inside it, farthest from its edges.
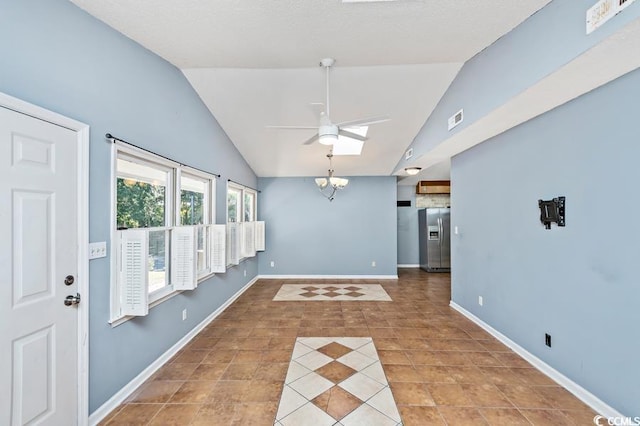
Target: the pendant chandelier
(330, 184)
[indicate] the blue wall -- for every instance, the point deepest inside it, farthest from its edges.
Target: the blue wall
(408, 247)
(578, 283)
(56, 56)
(308, 235)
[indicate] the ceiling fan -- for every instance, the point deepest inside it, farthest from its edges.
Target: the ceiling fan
(327, 131)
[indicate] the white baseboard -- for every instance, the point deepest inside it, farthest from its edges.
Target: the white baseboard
(581, 393)
(408, 265)
(330, 277)
(119, 397)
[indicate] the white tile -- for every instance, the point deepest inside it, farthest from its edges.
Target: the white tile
(367, 416)
(289, 402)
(300, 349)
(356, 360)
(376, 372)
(295, 372)
(308, 415)
(314, 360)
(369, 350)
(311, 385)
(354, 342)
(361, 386)
(383, 401)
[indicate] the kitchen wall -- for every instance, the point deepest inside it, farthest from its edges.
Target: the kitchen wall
(578, 283)
(56, 56)
(308, 235)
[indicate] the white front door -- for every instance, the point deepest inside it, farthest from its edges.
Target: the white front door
(38, 249)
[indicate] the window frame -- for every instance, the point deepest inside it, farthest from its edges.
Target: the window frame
(240, 211)
(174, 171)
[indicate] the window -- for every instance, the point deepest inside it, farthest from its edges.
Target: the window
(245, 235)
(165, 238)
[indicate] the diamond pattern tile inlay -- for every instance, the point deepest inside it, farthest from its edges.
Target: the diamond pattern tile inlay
(335, 350)
(342, 292)
(340, 391)
(337, 402)
(336, 371)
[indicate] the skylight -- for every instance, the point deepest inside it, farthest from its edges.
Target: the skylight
(348, 146)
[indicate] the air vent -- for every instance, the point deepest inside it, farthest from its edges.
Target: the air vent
(404, 203)
(456, 119)
(408, 154)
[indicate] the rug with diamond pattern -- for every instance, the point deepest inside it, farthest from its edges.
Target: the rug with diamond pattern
(336, 381)
(341, 292)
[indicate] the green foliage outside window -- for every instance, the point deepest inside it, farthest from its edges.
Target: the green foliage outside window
(140, 204)
(191, 208)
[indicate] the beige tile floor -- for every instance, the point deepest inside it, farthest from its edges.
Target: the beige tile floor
(441, 368)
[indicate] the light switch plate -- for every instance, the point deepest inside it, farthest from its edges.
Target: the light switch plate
(97, 250)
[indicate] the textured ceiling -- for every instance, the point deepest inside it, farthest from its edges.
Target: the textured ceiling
(254, 63)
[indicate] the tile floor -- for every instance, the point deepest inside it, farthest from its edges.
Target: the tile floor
(442, 369)
(336, 381)
(332, 292)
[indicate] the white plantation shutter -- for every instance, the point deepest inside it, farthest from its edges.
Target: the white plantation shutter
(132, 276)
(259, 234)
(248, 239)
(183, 258)
(233, 243)
(217, 236)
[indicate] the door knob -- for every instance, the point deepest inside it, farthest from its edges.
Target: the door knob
(69, 279)
(72, 300)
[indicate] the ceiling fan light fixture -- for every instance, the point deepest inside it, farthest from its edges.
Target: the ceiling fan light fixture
(328, 139)
(412, 171)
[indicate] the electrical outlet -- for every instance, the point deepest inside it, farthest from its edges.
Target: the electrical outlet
(480, 300)
(455, 230)
(245, 272)
(97, 250)
(184, 315)
(547, 339)
(273, 263)
(373, 263)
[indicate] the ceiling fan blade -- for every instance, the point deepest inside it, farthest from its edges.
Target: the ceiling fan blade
(352, 135)
(365, 121)
(293, 127)
(311, 140)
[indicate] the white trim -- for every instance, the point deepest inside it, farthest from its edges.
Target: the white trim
(119, 397)
(409, 265)
(82, 132)
(581, 393)
(331, 277)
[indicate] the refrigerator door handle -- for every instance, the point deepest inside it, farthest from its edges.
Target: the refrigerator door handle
(440, 231)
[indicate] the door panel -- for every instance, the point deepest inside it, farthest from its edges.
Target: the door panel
(39, 216)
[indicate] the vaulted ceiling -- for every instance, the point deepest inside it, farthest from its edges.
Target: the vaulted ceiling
(254, 63)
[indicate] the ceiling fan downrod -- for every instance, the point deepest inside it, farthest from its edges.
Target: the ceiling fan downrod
(327, 63)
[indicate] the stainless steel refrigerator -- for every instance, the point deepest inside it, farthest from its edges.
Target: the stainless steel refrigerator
(435, 239)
